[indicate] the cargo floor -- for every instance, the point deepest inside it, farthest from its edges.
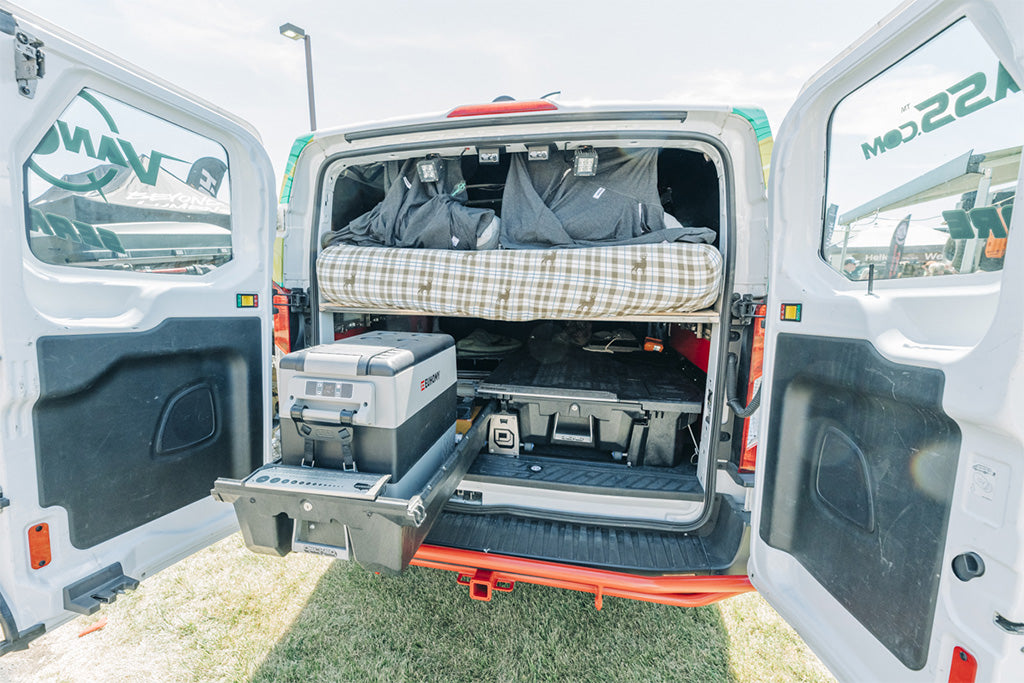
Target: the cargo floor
(617, 548)
(679, 483)
(640, 376)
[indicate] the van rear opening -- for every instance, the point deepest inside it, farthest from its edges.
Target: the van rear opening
(585, 309)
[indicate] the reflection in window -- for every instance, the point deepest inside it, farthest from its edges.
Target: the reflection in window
(923, 164)
(110, 186)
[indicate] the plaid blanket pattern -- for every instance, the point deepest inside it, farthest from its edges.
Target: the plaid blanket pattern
(526, 284)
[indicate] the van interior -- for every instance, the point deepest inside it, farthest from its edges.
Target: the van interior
(597, 438)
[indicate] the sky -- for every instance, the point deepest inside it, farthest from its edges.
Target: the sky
(390, 58)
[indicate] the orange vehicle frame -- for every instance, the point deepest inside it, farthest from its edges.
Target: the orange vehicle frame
(485, 573)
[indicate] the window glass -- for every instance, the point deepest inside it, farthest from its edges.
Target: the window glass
(923, 163)
(110, 186)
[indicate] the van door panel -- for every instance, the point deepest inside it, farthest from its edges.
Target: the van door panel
(130, 427)
(136, 224)
(893, 398)
(868, 478)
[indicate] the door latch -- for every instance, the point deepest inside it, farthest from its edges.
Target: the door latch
(29, 62)
(298, 300)
(744, 309)
(4, 502)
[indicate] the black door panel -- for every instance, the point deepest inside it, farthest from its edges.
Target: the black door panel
(859, 474)
(132, 426)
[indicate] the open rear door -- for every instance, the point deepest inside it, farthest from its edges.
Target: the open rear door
(135, 232)
(887, 529)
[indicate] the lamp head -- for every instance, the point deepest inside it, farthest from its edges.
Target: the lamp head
(292, 31)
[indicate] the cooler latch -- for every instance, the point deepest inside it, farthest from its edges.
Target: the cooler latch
(319, 432)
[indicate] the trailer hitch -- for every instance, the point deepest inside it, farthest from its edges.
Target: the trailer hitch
(483, 583)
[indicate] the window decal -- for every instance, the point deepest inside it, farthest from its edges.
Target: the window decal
(923, 164)
(111, 186)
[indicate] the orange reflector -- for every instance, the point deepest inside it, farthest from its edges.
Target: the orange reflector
(501, 108)
(39, 545)
(792, 312)
(964, 668)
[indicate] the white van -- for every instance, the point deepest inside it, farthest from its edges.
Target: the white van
(613, 279)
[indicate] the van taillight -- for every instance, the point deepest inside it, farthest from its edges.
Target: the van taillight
(751, 426)
(282, 319)
(509, 107)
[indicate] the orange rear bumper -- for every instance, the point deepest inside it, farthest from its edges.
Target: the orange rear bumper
(485, 573)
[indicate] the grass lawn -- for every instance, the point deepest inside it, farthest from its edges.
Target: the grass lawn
(227, 614)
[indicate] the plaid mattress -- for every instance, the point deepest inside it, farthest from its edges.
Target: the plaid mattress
(525, 284)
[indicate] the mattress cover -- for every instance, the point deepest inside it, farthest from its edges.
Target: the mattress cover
(523, 284)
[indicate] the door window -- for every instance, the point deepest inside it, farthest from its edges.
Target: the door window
(111, 186)
(923, 164)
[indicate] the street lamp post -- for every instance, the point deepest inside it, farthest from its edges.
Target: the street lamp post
(294, 32)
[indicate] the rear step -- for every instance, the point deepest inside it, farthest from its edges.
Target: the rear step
(586, 477)
(614, 548)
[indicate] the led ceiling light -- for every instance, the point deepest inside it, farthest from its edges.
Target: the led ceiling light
(584, 162)
(429, 169)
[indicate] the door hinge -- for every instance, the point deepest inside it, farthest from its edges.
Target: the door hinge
(744, 309)
(29, 62)
(4, 502)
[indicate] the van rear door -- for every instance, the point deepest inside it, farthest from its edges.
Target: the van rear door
(889, 493)
(134, 324)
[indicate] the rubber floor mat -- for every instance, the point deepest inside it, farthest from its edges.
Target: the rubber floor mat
(589, 477)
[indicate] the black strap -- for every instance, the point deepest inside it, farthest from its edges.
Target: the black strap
(309, 439)
(309, 452)
(345, 436)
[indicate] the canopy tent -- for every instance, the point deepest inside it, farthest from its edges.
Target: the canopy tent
(955, 177)
(126, 199)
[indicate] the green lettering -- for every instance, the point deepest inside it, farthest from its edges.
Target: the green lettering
(110, 152)
(1004, 83)
(973, 86)
(913, 130)
(892, 139)
(146, 175)
(49, 143)
(74, 143)
(873, 150)
(932, 119)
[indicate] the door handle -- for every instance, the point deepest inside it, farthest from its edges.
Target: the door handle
(1014, 627)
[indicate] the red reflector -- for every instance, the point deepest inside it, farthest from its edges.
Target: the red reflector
(501, 108)
(964, 668)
